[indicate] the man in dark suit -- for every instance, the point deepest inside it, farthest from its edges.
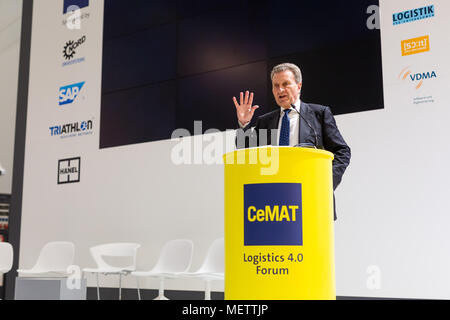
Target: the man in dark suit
(295, 123)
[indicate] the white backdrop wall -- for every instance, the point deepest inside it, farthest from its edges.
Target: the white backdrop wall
(391, 237)
(10, 25)
(394, 198)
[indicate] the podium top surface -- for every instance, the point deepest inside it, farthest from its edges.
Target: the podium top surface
(285, 150)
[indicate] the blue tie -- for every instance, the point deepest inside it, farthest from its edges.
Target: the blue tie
(284, 133)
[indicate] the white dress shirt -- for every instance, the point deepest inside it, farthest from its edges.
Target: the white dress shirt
(294, 125)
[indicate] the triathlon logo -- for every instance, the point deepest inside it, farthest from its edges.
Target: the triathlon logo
(74, 129)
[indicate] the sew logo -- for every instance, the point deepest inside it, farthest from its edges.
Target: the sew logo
(72, 5)
(69, 93)
(413, 15)
(415, 45)
(273, 214)
(417, 79)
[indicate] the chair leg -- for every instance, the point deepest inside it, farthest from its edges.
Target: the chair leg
(98, 288)
(138, 289)
(120, 286)
(161, 291)
(207, 290)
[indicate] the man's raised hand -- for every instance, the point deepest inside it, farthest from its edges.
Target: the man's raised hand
(244, 109)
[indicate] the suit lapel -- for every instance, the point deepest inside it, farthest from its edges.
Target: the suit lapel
(302, 132)
(305, 133)
(273, 125)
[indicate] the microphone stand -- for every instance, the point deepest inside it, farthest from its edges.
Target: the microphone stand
(307, 145)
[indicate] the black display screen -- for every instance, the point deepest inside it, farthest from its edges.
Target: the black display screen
(169, 63)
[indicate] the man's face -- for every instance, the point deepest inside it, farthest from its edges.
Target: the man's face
(284, 88)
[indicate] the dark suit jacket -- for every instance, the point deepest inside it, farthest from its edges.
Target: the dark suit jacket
(323, 122)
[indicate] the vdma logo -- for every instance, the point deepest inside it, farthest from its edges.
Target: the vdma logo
(273, 214)
(416, 78)
(69, 93)
(70, 4)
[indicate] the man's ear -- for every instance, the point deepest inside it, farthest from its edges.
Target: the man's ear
(299, 86)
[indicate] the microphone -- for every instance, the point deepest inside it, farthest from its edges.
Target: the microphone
(312, 128)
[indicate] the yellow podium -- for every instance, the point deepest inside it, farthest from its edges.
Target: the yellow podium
(279, 230)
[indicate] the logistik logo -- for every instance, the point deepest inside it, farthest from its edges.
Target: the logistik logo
(273, 214)
(413, 15)
(415, 45)
(417, 79)
(69, 93)
(72, 129)
(69, 51)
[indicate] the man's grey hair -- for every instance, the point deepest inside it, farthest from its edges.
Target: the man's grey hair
(287, 66)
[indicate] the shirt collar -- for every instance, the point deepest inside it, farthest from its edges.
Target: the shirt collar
(296, 104)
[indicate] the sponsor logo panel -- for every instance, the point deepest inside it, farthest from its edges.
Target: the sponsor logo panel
(68, 94)
(415, 45)
(73, 15)
(413, 15)
(419, 81)
(71, 130)
(273, 214)
(70, 51)
(69, 170)
(72, 5)
(417, 78)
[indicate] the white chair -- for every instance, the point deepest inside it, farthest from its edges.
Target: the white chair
(213, 266)
(55, 257)
(174, 260)
(117, 250)
(6, 257)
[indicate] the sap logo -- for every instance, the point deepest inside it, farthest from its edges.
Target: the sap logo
(416, 78)
(69, 93)
(273, 214)
(415, 45)
(69, 170)
(413, 15)
(72, 5)
(287, 213)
